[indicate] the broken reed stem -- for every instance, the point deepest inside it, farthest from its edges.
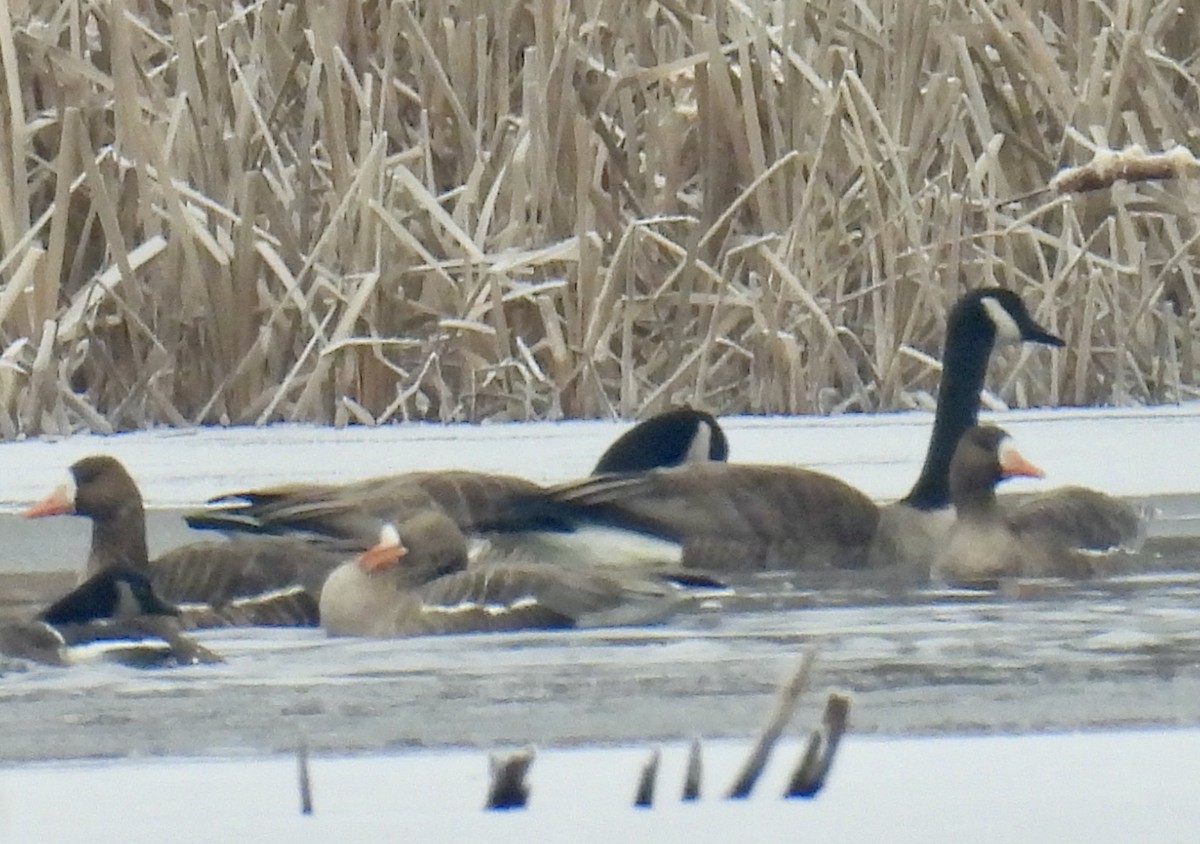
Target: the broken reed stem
(644, 798)
(306, 804)
(692, 774)
(781, 713)
(508, 789)
(813, 770)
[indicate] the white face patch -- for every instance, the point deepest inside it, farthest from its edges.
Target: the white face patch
(698, 449)
(1007, 330)
(389, 536)
(1005, 451)
(475, 606)
(68, 488)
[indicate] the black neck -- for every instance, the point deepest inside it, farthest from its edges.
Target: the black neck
(964, 366)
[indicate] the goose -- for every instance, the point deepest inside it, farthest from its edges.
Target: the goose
(416, 581)
(986, 542)
(115, 613)
(674, 437)
(505, 511)
(738, 517)
(263, 580)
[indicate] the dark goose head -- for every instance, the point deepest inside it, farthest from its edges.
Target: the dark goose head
(99, 487)
(677, 436)
(977, 322)
(984, 457)
(424, 547)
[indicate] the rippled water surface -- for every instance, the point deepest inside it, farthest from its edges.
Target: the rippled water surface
(1034, 656)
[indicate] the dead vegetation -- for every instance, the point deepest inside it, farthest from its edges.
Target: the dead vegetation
(242, 212)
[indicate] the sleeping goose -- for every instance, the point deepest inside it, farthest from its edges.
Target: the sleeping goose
(987, 543)
(732, 517)
(416, 581)
(114, 613)
(674, 437)
(507, 511)
(248, 580)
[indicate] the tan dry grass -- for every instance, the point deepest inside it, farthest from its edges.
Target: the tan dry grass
(218, 212)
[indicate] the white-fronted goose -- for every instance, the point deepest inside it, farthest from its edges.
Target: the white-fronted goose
(742, 517)
(987, 543)
(416, 582)
(508, 511)
(115, 614)
(260, 580)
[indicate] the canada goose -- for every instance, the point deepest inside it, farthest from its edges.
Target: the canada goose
(116, 613)
(671, 438)
(505, 510)
(251, 580)
(745, 517)
(416, 581)
(986, 542)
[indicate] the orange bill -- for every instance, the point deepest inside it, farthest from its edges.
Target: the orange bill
(381, 556)
(55, 504)
(1013, 464)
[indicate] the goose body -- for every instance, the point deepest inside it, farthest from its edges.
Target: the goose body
(508, 512)
(114, 614)
(740, 517)
(986, 542)
(424, 586)
(248, 580)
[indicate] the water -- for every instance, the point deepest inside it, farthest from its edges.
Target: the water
(1041, 656)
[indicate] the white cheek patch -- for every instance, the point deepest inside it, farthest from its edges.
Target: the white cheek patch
(1007, 330)
(698, 449)
(475, 606)
(69, 488)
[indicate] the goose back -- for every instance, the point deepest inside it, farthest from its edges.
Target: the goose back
(735, 517)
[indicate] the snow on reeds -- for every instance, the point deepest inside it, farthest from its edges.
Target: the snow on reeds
(241, 212)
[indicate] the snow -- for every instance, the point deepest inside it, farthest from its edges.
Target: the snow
(1106, 787)
(1125, 451)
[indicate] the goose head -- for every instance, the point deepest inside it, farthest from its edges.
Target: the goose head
(422, 548)
(978, 321)
(985, 456)
(98, 487)
(682, 435)
(992, 315)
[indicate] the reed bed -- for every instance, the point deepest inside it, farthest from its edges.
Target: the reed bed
(220, 212)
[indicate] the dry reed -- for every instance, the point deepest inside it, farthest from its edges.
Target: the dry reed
(240, 212)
